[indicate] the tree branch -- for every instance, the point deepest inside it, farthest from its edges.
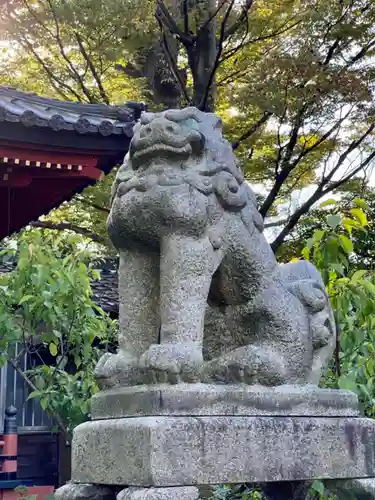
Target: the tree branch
(90, 64)
(55, 415)
(239, 73)
(352, 146)
(295, 218)
(256, 126)
(320, 141)
(202, 104)
(185, 11)
(324, 188)
(275, 223)
(163, 15)
(241, 19)
(49, 72)
(211, 18)
(173, 64)
(335, 185)
(76, 76)
(61, 226)
(283, 29)
(286, 167)
(93, 205)
(360, 54)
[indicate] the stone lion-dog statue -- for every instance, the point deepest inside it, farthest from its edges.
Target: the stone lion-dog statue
(202, 298)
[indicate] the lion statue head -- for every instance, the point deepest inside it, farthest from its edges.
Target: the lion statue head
(179, 149)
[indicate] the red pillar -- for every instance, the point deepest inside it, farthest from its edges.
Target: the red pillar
(10, 441)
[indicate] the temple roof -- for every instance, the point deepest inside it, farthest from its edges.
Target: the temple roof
(33, 111)
(51, 150)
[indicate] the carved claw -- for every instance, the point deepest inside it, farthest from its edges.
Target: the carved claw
(117, 369)
(246, 365)
(172, 363)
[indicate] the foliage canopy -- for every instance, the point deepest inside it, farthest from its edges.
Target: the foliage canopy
(293, 81)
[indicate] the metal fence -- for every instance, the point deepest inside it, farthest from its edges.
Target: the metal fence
(14, 391)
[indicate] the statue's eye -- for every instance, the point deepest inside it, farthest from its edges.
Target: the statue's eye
(190, 124)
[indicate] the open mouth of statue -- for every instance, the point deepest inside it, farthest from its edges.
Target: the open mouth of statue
(161, 150)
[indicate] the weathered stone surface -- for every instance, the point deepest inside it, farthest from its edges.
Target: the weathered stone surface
(73, 491)
(209, 399)
(360, 489)
(183, 493)
(189, 234)
(174, 451)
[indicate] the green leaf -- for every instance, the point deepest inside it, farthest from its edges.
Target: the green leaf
(370, 287)
(53, 349)
(333, 221)
(360, 216)
(305, 253)
(358, 275)
(339, 268)
(39, 382)
(34, 394)
(348, 382)
(346, 243)
(349, 224)
(318, 487)
(26, 298)
(328, 202)
(318, 236)
(361, 203)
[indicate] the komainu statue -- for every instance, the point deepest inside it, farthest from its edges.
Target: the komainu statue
(202, 298)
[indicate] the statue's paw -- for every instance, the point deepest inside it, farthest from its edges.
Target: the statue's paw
(172, 363)
(247, 365)
(117, 369)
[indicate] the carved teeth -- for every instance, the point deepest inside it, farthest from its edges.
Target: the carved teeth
(162, 148)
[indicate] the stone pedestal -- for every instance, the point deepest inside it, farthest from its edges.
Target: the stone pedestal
(219, 400)
(176, 451)
(160, 442)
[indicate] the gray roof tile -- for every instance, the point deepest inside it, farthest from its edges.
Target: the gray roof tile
(31, 110)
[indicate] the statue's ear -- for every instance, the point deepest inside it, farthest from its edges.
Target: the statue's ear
(218, 124)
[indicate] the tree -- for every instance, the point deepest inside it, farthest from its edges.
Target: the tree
(291, 80)
(352, 295)
(47, 310)
(363, 241)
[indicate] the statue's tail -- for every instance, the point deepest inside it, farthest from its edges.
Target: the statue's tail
(305, 282)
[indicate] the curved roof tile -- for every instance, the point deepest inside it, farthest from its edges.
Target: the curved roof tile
(32, 110)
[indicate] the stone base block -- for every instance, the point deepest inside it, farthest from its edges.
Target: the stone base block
(176, 451)
(84, 492)
(182, 493)
(211, 399)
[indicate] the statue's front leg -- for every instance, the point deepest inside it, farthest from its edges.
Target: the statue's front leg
(139, 322)
(186, 269)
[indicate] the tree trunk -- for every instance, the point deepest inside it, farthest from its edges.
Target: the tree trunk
(203, 56)
(153, 63)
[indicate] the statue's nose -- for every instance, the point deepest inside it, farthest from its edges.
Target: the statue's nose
(160, 129)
